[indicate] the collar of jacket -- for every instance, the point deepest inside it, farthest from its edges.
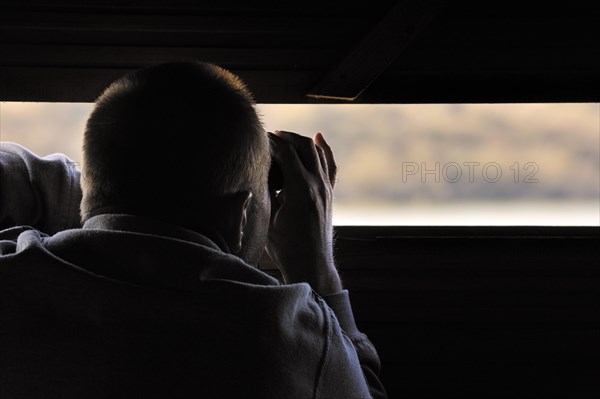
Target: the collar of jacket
(151, 253)
(138, 224)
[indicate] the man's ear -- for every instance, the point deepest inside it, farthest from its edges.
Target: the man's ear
(236, 217)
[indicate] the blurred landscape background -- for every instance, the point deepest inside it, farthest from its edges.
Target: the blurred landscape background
(422, 164)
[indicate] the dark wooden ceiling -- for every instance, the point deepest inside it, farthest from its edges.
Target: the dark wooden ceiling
(410, 51)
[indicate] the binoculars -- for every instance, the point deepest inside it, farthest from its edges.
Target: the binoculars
(275, 177)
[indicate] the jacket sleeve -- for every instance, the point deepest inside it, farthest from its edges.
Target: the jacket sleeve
(344, 345)
(40, 192)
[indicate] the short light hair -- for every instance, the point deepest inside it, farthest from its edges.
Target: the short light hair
(166, 139)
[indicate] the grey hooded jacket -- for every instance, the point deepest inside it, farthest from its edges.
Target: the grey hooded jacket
(132, 307)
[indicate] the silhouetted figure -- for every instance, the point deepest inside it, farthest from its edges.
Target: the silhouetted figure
(157, 294)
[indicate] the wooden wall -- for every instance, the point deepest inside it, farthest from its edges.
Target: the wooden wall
(468, 51)
(478, 312)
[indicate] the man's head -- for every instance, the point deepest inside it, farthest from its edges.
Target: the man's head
(182, 143)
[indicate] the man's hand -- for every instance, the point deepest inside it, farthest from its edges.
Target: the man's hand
(301, 232)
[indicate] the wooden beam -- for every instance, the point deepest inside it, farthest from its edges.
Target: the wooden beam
(85, 84)
(377, 50)
(95, 56)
